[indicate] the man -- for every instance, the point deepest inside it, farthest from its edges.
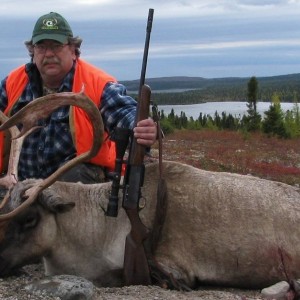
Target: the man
(55, 67)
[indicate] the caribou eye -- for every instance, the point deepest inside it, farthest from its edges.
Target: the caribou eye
(23, 196)
(30, 221)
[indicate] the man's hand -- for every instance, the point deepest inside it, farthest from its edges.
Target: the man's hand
(145, 132)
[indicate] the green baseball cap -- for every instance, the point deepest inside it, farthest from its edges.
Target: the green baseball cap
(51, 26)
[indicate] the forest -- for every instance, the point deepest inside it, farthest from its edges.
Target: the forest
(274, 122)
(192, 90)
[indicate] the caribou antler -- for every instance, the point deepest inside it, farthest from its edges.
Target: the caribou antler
(11, 176)
(41, 108)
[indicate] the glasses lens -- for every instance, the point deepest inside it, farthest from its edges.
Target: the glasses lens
(56, 48)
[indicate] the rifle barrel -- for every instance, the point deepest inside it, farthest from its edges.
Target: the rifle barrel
(146, 49)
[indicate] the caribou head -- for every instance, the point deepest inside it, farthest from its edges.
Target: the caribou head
(28, 116)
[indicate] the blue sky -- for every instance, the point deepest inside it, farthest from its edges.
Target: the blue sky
(206, 38)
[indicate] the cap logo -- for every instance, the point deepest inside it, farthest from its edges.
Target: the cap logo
(50, 24)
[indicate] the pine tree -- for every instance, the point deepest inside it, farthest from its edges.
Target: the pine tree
(253, 120)
(273, 123)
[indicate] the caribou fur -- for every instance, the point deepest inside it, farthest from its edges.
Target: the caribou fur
(220, 228)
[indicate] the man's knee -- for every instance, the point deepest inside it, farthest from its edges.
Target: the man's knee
(85, 173)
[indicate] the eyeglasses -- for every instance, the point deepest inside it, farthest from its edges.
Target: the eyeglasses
(55, 48)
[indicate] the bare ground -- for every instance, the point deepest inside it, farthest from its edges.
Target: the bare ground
(13, 288)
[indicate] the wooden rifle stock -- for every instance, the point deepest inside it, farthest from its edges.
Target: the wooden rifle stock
(137, 150)
(136, 269)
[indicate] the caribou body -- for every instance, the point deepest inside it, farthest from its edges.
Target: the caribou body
(220, 228)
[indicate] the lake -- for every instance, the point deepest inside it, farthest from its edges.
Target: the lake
(237, 109)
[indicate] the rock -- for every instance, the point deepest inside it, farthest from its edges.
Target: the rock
(66, 287)
(277, 291)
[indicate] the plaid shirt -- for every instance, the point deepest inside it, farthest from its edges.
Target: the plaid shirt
(46, 149)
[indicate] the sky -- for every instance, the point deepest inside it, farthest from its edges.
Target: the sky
(199, 38)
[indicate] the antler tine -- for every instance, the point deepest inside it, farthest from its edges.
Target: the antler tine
(12, 172)
(41, 108)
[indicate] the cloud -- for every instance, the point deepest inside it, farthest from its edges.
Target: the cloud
(189, 37)
(91, 2)
(137, 9)
(113, 9)
(261, 3)
(173, 50)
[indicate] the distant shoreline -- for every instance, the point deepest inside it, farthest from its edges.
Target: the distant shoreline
(235, 108)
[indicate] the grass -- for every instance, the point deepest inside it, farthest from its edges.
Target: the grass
(230, 151)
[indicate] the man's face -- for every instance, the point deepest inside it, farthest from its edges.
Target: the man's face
(53, 59)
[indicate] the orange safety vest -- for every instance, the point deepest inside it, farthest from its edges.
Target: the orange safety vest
(93, 80)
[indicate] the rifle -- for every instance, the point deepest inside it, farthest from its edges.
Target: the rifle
(136, 270)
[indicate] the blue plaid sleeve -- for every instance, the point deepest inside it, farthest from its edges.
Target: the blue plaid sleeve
(3, 95)
(116, 107)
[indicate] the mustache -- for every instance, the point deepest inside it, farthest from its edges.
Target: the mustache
(47, 61)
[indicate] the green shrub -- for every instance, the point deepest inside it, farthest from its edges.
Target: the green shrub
(166, 126)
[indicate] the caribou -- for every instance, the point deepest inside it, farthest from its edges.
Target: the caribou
(220, 228)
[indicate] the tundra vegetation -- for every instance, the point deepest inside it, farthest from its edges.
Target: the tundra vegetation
(253, 153)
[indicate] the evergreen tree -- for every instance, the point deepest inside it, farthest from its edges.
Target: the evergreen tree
(273, 123)
(292, 122)
(162, 114)
(217, 120)
(200, 119)
(171, 117)
(204, 120)
(183, 120)
(252, 94)
(296, 111)
(253, 120)
(230, 122)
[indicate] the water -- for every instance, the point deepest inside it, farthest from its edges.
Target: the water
(237, 109)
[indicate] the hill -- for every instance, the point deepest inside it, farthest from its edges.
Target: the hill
(183, 89)
(183, 82)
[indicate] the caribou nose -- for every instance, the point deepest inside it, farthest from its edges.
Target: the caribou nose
(7, 270)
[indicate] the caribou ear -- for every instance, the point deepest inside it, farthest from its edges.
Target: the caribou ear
(53, 202)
